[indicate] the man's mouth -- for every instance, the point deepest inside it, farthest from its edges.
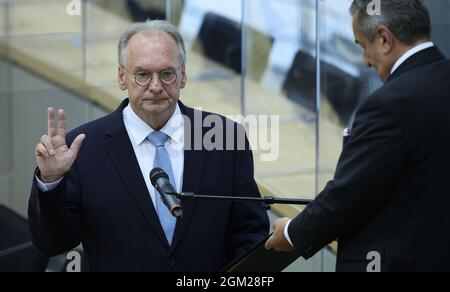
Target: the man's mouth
(155, 100)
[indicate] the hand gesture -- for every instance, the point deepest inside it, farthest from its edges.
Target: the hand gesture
(54, 158)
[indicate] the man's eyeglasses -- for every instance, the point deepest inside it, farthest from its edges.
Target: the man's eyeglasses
(167, 76)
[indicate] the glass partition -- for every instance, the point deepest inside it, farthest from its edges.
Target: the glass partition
(3, 21)
(43, 35)
(101, 44)
(5, 130)
(214, 54)
(288, 70)
(5, 165)
(343, 82)
(280, 93)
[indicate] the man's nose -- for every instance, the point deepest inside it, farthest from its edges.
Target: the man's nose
(155, 84)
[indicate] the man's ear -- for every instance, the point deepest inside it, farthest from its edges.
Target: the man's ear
(385, 39)
(183, 77)
(121, 78)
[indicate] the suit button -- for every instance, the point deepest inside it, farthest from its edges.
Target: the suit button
(171, 262)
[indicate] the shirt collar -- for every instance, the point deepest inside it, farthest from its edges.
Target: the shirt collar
(410, 53)
(139, 130)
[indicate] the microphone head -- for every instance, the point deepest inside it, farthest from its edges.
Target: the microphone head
(156, 174)
(178, 212)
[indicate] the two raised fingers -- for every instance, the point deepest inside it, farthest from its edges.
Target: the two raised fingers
(60, 130)
(45, 148)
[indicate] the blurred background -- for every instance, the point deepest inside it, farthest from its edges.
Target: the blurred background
(295, 59)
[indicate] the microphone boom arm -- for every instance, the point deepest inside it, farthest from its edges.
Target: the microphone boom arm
(267, 200)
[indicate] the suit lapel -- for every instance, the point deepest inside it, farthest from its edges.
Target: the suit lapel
(426, 56)
(192, 174)
(120, 150)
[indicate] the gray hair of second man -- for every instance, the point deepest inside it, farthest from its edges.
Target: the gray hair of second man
(150, 26)
(408, 20)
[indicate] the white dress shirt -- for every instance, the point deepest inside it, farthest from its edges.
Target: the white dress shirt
(138, 132)
(410, 53)
(397, 64)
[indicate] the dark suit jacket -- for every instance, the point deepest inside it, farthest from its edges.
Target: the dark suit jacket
(104, 203)
(390, 191)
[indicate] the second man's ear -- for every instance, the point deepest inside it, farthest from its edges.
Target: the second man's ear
(385, 38)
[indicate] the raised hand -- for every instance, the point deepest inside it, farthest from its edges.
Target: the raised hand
(53, 157)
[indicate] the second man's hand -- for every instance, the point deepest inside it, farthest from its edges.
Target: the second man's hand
(278, 241)
(54, 158)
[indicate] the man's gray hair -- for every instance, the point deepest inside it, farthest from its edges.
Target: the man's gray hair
(408, 20)
(148, 27)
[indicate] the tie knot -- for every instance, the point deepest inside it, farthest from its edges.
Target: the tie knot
(158, 138)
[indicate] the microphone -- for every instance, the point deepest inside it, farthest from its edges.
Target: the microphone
(160, 180)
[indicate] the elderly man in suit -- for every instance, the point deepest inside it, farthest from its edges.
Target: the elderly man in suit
(98, 191)
(388, 202)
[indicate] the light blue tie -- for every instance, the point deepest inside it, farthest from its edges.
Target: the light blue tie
(162, 160)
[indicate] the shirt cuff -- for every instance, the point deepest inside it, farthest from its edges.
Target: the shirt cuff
(47, 187)
(286, 233)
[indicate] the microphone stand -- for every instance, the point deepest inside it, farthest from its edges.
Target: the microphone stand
(267, 200)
